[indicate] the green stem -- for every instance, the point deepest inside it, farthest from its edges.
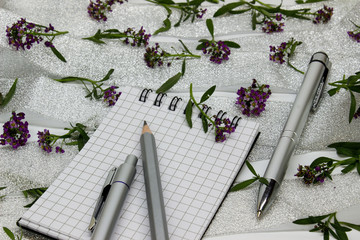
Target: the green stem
(197, 105)
(182, 55)
(48, 34)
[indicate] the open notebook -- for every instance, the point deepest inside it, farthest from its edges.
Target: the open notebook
(196, 172)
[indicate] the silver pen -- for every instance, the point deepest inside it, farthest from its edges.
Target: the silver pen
(306, 100)
(112, 198)
(154, 196)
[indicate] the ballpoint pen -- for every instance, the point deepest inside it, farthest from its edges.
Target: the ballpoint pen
(154, 196)
(306, 100)
(111, 199)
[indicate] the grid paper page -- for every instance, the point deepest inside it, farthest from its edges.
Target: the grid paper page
(196, 173)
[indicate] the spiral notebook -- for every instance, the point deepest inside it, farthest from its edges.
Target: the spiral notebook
(196, 172)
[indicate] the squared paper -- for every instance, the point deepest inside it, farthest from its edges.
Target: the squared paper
(196, 172)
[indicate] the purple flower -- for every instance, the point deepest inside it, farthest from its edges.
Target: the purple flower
(219, 51)
(271, 26)
(47, 140)
(97, 10)
(354, 35)
(154, 56)
(323, 15)
(111, 96)
(223, 129)
(15, 132)
(252, 100)
(313, 175)
(201, 13)
(357, 113)
(138, 38)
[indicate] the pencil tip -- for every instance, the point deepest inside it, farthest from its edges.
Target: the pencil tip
(145, 123)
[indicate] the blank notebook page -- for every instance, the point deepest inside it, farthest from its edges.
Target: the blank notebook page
(196, 172)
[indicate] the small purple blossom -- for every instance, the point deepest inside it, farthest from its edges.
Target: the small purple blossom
(219, 51)
(252, 100)
(138, 38)
(44, 140)
(271, 26)
(16, 131)
(355, 35)
(323, 15)
(201, 13)
(97, 10)
(111, 96)
(313, 175)
(223, 129)
(357, 113)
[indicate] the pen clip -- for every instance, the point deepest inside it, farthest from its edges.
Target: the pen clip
(102, 198)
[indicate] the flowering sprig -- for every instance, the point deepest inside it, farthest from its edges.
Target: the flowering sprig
(351, 84)
(273, 24)
(328, 227)
(16, 131)
(156, 56)
(322, 167)
(5, 100)
(223, 127)
(76, 134)
(97, 10)
(252, 100)
(188, 10)
(109, 95)
(23, 34)
(262, 13)
(219, 50)
(137, 38)
(355, 35)
(250, 181)
(284, 52)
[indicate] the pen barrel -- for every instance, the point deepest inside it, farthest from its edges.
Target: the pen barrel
(315, 75)
(115, 199)
(154, 196)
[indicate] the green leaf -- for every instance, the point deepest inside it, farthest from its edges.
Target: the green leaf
(353, 226)
(232, 44)
(321, 160)
(264, 181)
(358, 167)
(204, 123)
(107, 75)
(94, 39)
(311, 219)
(9, 95)
(243, 184)
(169, 83)
(352, 107)
(207, 94)
(184, 46)
(200, 46)
(251, 168)
(349, 168)
(167, 26)
(9, 233)
(332, 92)
(210, 26)
(58, 54)
(226, 8)
(183, 67)
(188, 113)
(349, 145)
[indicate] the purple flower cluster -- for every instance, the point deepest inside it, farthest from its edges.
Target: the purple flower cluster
(155, 56)
(201, 13)
(138, 38)
(278, 53)
(219, 51)
(252, 99)
(354, 35)
(46, 141)
(23, 34)
(271, 26)
(223, 128)
(357, 113)
(98, 9)
(323, 15)
(313, 175)
(111, 96)
(15, 132)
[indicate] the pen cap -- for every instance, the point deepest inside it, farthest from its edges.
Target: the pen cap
(125, 173)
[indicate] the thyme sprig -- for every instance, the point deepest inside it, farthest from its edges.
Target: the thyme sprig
(250, 181)
(329, 225)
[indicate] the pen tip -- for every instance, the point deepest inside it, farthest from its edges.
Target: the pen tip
(258, 214)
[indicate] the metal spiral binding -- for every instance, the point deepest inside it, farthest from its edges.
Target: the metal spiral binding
(174, 103)
(144, 94)
(159, 98)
